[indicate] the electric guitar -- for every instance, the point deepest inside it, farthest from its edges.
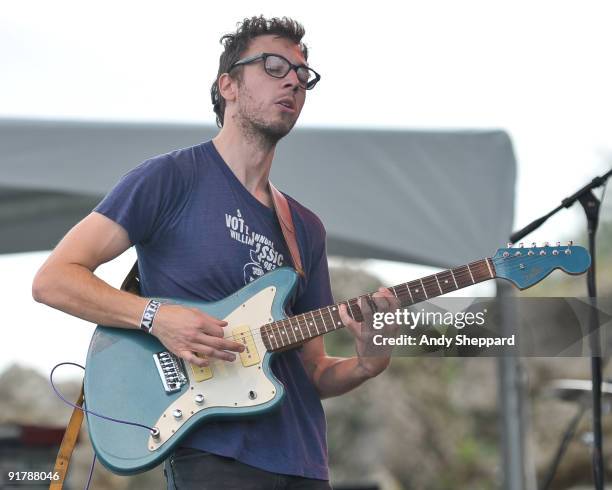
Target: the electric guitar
(130, 376)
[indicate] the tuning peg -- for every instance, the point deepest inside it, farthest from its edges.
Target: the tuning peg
(570, 243)
(509, 244)
(520, 244)
(533, 244)
(558, 244)
(546, 244)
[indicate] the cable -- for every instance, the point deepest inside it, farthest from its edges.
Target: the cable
(74, 405)
(85, 409)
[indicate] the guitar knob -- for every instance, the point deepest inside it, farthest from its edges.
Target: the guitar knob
(199, 399)
(177, 414)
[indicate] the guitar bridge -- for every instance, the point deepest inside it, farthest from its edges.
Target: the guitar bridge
(171, 371)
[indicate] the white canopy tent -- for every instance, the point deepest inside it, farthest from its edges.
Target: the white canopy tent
(438, 198)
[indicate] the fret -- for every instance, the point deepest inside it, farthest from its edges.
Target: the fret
(323, 319)
(393, 291)
(335, 319)
(424, 290)
(433, 291)
(284, 332)
(408, 288)
(274, 334)
(471, 275)
(488, 261)
(400, 295)
(300, 326)
(416, 291)
(271, 333)
(356, 310)
(437, 281)
(455, 280)
(315, 323)
(481, 270)
(292, 328)
(350, 309)
(446, 281)
(462, 276)
(306, 323)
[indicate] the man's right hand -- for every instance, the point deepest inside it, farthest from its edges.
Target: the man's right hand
(189, 331)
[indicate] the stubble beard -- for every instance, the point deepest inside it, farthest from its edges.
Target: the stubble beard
(254, 127)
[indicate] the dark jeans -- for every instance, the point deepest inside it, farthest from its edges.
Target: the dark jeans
(190, 469)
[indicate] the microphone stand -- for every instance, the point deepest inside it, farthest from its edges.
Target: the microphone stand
(591, 205)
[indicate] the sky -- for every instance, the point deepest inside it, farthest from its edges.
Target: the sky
(539, 70)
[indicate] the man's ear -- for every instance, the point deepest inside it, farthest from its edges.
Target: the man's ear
(227, 87)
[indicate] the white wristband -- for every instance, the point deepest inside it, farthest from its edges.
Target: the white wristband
(148, 315)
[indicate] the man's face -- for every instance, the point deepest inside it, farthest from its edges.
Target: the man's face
(267, 105)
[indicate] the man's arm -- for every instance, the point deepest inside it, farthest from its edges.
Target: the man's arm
(66, 281)
(333, 376)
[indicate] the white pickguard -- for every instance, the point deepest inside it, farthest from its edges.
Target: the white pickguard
(232, 385)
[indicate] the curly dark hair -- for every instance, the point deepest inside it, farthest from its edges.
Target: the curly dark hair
(236, 43)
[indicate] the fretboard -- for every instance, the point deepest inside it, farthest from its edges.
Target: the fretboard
(295, 330)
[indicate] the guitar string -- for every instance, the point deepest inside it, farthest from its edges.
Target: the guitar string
(326, 316)
(353, 302)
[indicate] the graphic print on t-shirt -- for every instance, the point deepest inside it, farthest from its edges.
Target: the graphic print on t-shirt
(264, 257)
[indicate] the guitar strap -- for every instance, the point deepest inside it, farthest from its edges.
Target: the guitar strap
(67, 446)
(283, 213)
(131, 284)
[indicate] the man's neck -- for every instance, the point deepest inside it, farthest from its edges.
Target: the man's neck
(249, 160)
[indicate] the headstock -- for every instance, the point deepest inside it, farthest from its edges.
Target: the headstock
(526, 266)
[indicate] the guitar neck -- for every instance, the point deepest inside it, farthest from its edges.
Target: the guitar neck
(295, 330)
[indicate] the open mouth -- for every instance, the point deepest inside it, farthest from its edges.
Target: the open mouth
(286, 105)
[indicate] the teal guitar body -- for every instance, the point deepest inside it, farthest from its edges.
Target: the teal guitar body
(130, 376)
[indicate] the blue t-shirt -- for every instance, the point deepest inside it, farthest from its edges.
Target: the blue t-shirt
(201, 235)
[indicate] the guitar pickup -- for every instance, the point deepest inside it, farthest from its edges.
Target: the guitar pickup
(249, 356)
(201, 373)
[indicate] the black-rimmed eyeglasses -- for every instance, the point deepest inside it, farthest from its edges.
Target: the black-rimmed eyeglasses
(278, 66)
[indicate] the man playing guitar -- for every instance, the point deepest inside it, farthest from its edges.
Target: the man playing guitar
(202, 222)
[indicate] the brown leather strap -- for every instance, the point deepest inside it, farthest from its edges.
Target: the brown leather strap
(67, 446)
(283, 212)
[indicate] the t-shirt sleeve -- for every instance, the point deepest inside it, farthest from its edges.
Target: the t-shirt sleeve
(318, 288)
(145, 199)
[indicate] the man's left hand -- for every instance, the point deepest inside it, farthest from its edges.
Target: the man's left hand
(384, 301)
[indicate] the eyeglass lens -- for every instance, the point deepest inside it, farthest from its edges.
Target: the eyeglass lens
(279, 67)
